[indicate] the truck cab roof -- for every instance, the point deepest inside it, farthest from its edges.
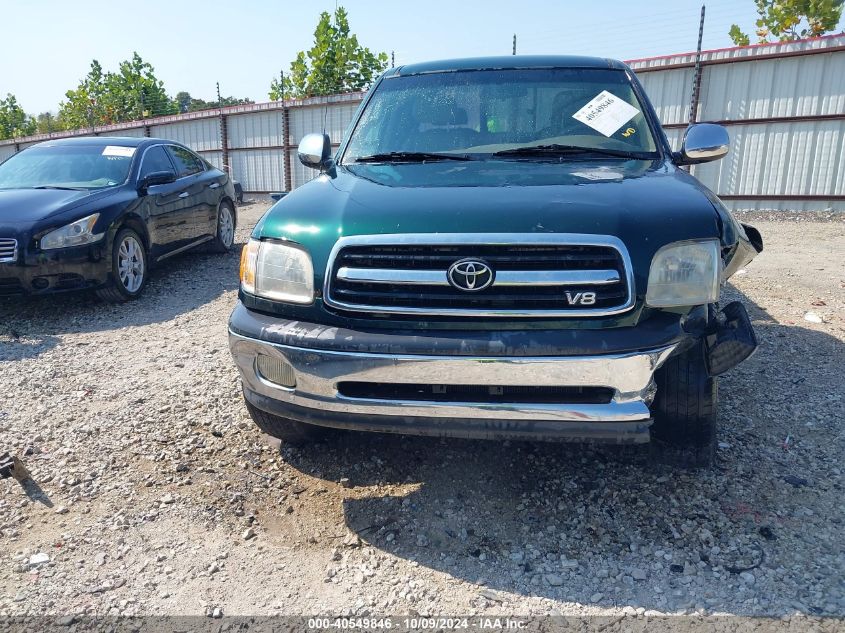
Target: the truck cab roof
(505, 62)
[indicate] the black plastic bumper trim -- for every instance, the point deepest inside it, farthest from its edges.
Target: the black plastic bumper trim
(659, 330)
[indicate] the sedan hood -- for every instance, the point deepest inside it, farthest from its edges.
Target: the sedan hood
(29, 206)
(644, 203)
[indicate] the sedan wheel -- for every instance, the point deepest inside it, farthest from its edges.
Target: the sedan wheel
(227, 226)
(130, 264)
(128, 268)
(226, 223)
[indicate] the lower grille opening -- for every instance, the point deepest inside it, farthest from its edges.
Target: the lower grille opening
(476, 393)
(10, 286)
(66, 281)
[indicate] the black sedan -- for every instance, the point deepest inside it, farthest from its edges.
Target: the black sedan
(98, 212)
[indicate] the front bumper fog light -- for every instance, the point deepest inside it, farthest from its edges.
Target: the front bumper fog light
(275, 370)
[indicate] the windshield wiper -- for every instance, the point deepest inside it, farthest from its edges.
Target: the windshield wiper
(409, 157)
(556, 149)
(59, 187)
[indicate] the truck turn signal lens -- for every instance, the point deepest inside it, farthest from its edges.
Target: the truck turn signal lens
(249, 259)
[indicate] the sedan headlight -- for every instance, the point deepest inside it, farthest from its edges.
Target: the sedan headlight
(684, 274)
(76, 233)
(278, 271)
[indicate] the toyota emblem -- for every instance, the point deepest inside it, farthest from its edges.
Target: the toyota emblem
(470, 275)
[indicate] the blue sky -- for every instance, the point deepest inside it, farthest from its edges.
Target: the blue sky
(47, 46)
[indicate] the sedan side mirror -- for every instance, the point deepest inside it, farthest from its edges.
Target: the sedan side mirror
(703, 142)
(315, 151)
(157, 178)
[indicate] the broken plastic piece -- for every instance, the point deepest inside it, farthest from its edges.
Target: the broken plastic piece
(12, 467)
(733, 341)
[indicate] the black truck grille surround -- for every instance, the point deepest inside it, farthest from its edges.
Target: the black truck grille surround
(529, 279)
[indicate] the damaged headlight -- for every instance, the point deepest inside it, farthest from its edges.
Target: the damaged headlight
(76, 233)
(684, 274)
(278, 271)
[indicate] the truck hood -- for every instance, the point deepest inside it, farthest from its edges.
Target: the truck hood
(644, 203)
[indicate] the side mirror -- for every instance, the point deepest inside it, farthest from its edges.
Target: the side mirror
(157, 178)
(315, 151)
(703, 142)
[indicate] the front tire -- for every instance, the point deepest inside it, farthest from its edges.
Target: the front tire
(225, 237)
(291, 432)
(129, 268)
(685, 410)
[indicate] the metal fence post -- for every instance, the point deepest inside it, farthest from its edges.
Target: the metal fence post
(287, 145)
(224, 143)
(696, 78)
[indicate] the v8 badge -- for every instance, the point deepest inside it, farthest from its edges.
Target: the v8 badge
(581, 298)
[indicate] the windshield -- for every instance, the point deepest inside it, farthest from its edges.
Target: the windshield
(67, 167)
(481, 113)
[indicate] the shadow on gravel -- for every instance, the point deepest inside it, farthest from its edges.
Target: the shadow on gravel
(31, 325)
(36, 493)
(599, 525)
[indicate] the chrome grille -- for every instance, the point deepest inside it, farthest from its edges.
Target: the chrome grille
(535, 275)
(8, 250)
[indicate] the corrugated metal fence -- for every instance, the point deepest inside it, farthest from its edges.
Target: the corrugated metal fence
(784, 107)
(783, 104)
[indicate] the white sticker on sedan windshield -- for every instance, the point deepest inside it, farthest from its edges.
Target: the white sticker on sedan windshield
(118, 150)
(606, 113)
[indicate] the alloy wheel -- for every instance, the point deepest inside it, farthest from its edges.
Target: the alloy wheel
(226, 228)
(130, 264)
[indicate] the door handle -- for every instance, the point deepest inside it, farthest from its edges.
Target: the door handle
(184, 194)
(214, 185)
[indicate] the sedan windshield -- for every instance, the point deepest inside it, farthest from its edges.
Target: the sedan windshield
(523, 114)
(67, 167)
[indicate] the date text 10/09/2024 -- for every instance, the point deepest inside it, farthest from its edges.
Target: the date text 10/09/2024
(417, 624)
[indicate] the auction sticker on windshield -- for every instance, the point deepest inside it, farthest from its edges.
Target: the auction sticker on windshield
(606, 113)
(117, 150)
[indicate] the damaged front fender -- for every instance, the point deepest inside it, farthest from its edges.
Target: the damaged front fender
(741, 243)
(748, 244)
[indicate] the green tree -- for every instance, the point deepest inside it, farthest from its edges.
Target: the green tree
(131, 93)
(232, 101)
(86, 106)
(13, 120)
(739, 38)
(183, 101)
(789, 20)
(134, 92)
(47, 123)
(335, 63)
(187, 103)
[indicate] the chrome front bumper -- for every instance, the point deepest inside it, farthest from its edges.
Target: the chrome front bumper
(318, 372)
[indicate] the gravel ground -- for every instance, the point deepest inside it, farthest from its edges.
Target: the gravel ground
(155, 494)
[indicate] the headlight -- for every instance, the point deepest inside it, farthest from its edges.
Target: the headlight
(684, 274)
(282, 272)
(76, 233)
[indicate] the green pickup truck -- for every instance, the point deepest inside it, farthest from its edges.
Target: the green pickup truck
(499, 248)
